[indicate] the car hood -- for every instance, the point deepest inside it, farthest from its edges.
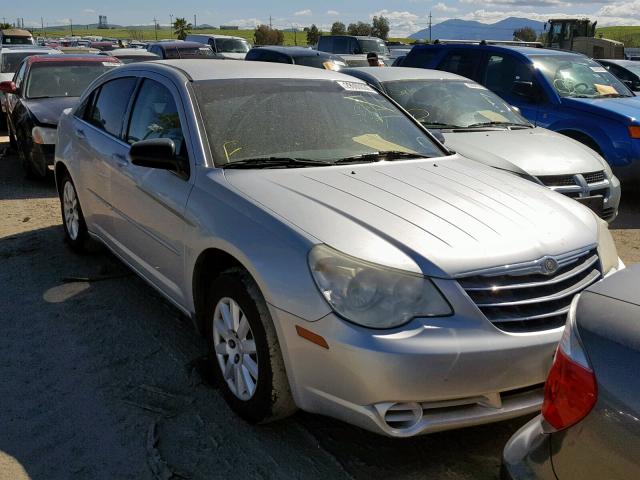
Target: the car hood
(441, 217)
(621, 109)
(535, 151)
(47, 111)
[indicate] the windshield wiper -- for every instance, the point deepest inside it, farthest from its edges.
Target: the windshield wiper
(275, 162)
(498, 124)
(439, 125)
(389, 156)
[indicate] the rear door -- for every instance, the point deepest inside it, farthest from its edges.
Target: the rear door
(152, 202)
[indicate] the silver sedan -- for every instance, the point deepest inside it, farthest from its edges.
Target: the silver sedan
(337, 257)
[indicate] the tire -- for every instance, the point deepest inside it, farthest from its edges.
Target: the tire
(75, 227)
(234, 350)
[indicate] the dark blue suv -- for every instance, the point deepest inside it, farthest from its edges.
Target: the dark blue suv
(562, 91)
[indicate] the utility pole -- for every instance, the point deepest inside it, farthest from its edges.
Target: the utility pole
(42, 24)
(155, 27)
(195, 21)
(295, 34)
(71, 23)
(270, 23)
(171, 24)
(429, 27)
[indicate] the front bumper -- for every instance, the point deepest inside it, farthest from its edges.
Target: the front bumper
(527, 454)
(428, 376)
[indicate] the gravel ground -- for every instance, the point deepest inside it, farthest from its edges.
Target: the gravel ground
(103, 379)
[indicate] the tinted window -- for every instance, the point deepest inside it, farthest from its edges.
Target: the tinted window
(420, 57)
(503, 70)
(325, 44)
(11, 61)
(111, 104)
(462, 63)
(155, 115)
(312, 61)
(232, 45)
(341, 45)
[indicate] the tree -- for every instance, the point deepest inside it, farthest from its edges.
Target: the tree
(360, 28)
(313, 35)
(338, 28)
(525, 34)
(380, 27)
(5, 26)
(263, 35)
(181, 28)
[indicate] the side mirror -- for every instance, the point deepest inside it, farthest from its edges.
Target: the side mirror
(157, 153)
(8, 87)
(524, 89)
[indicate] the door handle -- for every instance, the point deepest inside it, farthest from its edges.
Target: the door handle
(80, 133)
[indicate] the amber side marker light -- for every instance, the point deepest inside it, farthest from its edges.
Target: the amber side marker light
(312, 337)
(634, 131)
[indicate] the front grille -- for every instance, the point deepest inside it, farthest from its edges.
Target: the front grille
(520, 298)
(594, 177)
(557, 180)
(608, 212)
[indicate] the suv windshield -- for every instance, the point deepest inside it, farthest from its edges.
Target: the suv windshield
(452, 103)
(377, 46)
(249, 119)
(232, 45)
(63, 79)
(579, 77)
(11, 61)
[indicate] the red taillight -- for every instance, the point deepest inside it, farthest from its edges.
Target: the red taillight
(571, 390)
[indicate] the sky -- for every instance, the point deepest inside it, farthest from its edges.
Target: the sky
(405, 16)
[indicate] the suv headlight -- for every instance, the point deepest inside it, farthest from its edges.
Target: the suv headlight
(372, 295)
(606, 247)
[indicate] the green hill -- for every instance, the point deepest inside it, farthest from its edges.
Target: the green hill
(630, 36)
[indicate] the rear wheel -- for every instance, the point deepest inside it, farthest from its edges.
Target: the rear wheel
(75, 228)
(246, 356)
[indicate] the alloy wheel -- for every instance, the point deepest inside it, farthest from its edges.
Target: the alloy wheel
(235, 348)
(70, 208)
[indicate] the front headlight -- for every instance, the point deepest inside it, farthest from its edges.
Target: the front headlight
(44, 135)
(606, 247)
(372, 295)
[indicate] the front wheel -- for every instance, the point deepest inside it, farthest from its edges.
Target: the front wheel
(75, 228)
(246, 356)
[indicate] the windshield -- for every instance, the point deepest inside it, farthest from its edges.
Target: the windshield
(632, 67)
(232, 45)
(377, 46)
(63, 79)
(11, 61)
(317, 120)
(579, 77)
(451, 103)
(10, 40)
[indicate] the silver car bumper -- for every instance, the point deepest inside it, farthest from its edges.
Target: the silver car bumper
(428, 376)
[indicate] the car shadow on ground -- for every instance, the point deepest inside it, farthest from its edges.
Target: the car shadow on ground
(629, 211)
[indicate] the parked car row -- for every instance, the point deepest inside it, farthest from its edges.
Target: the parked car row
(338, 256)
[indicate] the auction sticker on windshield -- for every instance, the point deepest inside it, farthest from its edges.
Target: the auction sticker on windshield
(356, 87)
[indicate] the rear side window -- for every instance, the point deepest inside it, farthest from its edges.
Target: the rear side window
(420, 57)
(503, 70)
(110, 106)
(342, 45)
(464, 63)
(325, 44)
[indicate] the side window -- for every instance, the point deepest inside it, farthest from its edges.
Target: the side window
(155, 49)
(355, 48)
(82, 109)
(212, 42)
(503, 71)
(254, 55)
(325, 44)
(621, 73)
(341, 45)
(420, 57)
(155, 115)
(171, 53)
(111, 104)
(463, 63)
(19, 77)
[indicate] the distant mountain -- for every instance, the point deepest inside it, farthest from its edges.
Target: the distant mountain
(455, 29)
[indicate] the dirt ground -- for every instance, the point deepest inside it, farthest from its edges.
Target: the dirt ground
(100, 378)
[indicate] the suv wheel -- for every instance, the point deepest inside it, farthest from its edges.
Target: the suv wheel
(245, 352)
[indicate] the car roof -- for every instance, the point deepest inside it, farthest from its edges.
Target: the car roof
(295, 51)
(210, 35)
(179, 43)
(393, 74)
(29, 50)
(70, 58)
(198, 70)
(16, 32)
(138, 52)
(526, 51)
